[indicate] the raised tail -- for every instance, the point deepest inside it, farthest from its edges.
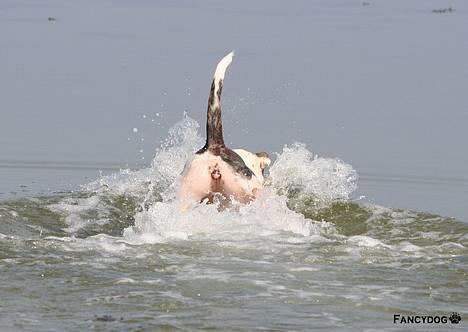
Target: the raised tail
(214, 123)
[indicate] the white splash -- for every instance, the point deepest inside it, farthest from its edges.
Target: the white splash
(182, 141)
(295, 170)
(267, 217)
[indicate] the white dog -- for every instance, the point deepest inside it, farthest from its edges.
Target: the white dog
(216, 170)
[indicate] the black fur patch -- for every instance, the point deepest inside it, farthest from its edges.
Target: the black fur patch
(230, 157)
(236, 162)
(214, 135)
(262, 154)
(214, 123)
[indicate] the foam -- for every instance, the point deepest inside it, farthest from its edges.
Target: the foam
(409, 247)
(268, 217)
(75, 208)
(366, 241)
(296, 170)
(182, 141)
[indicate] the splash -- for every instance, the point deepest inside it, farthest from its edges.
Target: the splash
(297, 170)
(182, 141)
(296, 175)
(267, 218)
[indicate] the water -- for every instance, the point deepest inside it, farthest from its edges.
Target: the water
(382, 86)
(90, 238)
(119, 255)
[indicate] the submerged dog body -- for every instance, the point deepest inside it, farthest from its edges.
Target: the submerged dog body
(215, 169)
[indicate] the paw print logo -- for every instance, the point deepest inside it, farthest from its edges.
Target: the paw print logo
(455, 318)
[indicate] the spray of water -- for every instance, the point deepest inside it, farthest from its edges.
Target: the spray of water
(296, 176)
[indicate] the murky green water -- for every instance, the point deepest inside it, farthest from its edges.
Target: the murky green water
(352, 272)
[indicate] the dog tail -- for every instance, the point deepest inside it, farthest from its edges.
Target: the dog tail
(214, 124)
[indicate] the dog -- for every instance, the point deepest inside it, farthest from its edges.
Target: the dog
(215, 170)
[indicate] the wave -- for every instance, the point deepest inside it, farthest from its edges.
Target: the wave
(295, 176)
(307, 199)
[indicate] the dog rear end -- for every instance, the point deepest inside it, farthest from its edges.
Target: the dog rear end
(216, 169)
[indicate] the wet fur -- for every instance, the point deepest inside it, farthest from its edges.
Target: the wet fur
(215, 170)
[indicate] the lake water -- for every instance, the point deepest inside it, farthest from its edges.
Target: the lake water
(363, 106)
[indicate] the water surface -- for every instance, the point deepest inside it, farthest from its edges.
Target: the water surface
(366, 218)
(120, 255)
